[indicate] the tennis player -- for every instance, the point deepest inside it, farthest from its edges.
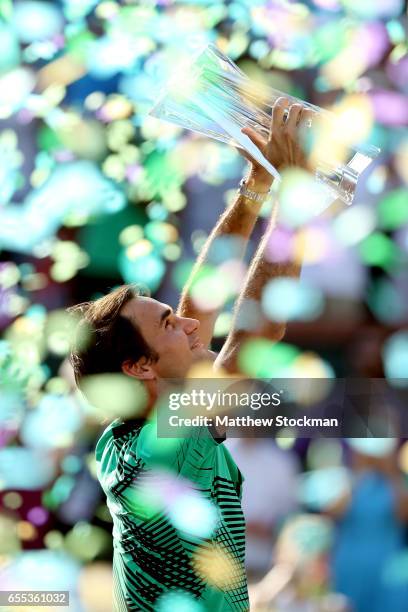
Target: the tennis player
(157, 560)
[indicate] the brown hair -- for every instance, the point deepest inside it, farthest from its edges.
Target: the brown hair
(105, 338)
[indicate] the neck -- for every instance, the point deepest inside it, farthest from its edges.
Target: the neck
(155, 389)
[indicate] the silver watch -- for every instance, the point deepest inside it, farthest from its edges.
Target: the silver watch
(255, 196)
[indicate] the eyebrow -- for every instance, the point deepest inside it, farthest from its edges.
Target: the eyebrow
(166, 313)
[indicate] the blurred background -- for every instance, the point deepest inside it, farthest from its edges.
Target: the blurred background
(95, 193)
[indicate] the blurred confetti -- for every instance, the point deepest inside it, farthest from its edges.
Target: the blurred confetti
(323, 487)
(94, 193)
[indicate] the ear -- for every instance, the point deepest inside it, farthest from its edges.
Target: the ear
(141, 369)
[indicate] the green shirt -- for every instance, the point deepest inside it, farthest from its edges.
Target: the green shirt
(154, 556)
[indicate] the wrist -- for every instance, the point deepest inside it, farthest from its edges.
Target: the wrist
(259, 181)
(255, 192)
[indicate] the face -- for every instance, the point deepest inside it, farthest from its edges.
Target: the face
(175, 339)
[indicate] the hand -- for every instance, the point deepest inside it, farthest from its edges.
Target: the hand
(282, 148)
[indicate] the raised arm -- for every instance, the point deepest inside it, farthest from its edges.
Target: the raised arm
(238, 220)
(261, 271)
(284, 136)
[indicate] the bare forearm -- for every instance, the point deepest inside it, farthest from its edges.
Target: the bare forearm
(261, 271)
(282, 149)
(239, 221)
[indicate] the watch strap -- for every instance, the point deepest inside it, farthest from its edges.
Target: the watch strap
(255, 196)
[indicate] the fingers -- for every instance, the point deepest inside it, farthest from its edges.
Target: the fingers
(303, 139)
(289, 115)
(306, 118)
(283, 147)
(278, 112)
(294, 117)
(306, 137)
(256, 138)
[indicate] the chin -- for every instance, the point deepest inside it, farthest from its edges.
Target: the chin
(200, 353)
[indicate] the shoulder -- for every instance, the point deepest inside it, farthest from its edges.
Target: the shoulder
(158, 451)
(117, 440)
(104, 441)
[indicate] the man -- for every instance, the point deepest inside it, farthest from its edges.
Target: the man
(155, 557)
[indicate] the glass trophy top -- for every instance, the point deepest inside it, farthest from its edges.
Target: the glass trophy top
(210, 95)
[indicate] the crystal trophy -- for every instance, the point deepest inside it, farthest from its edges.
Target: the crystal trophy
(212, 96)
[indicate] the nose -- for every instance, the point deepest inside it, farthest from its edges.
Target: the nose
(190, 325)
